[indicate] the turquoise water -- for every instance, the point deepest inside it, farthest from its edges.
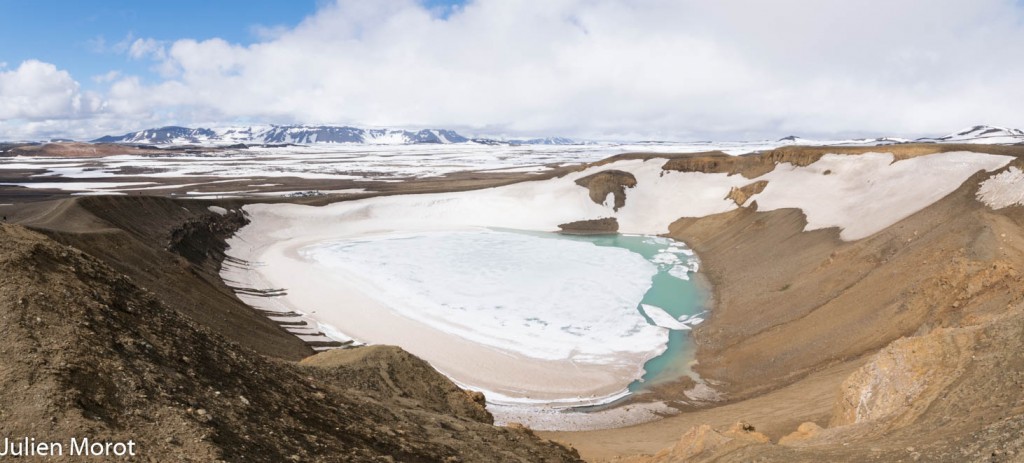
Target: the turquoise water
(676, 296)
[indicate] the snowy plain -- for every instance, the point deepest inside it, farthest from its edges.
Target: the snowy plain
(335, 161)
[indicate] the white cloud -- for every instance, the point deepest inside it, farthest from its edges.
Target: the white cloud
(107, 77)
(147, 48)
(37, 90)
(603, 68)
(266, 33)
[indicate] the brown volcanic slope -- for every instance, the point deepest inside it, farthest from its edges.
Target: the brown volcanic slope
(90, 150)
(906, 345)
(174, 249)
(88, 353)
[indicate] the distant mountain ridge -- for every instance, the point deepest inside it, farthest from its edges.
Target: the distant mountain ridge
(979, 134)
(317, 134)
(982, 134)
(306, 134)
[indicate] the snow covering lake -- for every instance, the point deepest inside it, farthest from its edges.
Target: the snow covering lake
(588, 299)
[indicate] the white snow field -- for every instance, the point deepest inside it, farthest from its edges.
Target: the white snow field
(865, 194)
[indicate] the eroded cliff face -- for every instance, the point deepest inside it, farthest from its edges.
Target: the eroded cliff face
(609, 182)
(757, 164)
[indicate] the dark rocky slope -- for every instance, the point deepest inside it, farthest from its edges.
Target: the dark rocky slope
(86, 352)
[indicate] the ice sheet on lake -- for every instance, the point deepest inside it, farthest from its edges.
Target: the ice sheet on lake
(663, 319)
(680, 261)
(539, 297)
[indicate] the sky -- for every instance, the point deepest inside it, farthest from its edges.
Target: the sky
(590, 69)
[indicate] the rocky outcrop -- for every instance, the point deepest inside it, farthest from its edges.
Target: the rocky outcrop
(591, 227)
(200, 238)
(807, 431)
(174, 249)
(390, 374)
(740, 195)
(608, 182)
(904, 378)
(716, 162)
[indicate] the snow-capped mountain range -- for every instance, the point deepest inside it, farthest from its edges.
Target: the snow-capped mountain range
(309, 134)
(305, 134)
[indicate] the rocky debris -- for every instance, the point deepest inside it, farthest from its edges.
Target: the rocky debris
(174, 249)
(741, 194)
(203, 237)
(85, 352)
(591, 227)
(390, 374)
(614, 182)
(805, 432)
(903, 379)
(703, 443)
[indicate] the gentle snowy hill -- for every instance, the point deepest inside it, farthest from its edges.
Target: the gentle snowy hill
(797, 140)
(985, 134)
(549, 141)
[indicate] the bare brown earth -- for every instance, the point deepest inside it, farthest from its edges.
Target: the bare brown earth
(907, 345)
(85, 150)
(900, 346)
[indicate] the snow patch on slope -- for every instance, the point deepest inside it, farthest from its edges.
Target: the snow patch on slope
(864, 194)
(1004, 189)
